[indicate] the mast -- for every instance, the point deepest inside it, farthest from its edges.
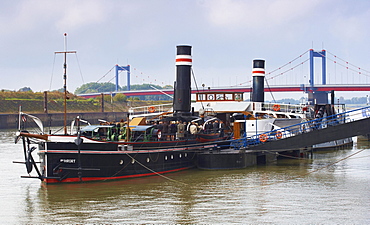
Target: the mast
(65, 79)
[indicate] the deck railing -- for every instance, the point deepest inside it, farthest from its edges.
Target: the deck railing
(150, 109)
(299, 128)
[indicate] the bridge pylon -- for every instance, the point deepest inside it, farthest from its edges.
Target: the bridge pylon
(317, 97)
(125, 68)
(322, 55)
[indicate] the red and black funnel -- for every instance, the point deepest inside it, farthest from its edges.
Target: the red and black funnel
(258, 73)
(182, 92)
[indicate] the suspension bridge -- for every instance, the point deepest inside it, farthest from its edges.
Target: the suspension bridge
(297, 75)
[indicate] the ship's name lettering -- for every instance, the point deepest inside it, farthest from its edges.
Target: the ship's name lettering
(68, 160)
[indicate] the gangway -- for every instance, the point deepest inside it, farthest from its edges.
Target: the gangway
(339, 126)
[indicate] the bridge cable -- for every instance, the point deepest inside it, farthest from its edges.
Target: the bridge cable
(105, 74)
(289, 69)
(347, 62)
(367, 73)
(273, 71)
(290, 62)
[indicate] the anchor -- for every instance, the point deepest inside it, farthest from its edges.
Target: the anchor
(28, 158)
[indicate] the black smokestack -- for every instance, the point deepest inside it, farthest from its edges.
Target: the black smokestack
(182, 94)
(258, 73)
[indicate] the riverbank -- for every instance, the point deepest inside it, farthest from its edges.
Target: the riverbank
(90, 110)
(10, 121)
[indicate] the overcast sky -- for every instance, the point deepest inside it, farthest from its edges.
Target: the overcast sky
(225, 35)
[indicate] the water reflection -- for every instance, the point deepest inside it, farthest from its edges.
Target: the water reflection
(202, 196)
(288, 191)
(122, 200)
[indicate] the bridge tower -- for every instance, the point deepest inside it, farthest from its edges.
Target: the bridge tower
(126, 68)
(317, 97)
(314, 54)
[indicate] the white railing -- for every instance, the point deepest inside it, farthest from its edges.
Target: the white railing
(150, 109)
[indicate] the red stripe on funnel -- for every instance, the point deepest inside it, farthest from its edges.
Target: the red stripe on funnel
(259, 72)
(184, 60)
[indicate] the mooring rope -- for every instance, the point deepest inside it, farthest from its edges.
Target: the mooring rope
(161, 175)
(305, 174)
(287, 156)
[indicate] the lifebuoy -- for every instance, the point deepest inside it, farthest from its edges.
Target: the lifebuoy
(263, 137)
(159, 134)
(279, 134)
(151, 109)
(276, 107)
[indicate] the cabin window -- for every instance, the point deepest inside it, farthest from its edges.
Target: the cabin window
(220, 97)
(210, 97)
(228, 96)
(201, 97)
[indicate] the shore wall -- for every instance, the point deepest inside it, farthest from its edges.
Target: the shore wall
(10, 121)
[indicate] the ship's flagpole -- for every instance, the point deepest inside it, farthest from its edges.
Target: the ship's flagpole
(65, 79)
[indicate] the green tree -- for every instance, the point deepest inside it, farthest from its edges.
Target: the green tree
(167, 87)
(120, 98)
(25, 89)
(94, 87)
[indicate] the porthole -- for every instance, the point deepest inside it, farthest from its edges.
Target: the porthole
(171, 156)
(186, 154)
(147, 160)
(180, 156)
(165, 158)
(121, 162)
(133, 161)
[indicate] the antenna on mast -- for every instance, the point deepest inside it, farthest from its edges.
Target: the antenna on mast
(65, 41)
(65, 80)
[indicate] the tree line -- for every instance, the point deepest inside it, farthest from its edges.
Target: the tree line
(94, 87)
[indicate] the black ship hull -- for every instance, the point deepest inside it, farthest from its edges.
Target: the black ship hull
(64, 162)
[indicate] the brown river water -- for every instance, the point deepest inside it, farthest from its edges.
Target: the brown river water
(332, 187)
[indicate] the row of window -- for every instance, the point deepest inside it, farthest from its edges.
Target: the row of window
(165, 158)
